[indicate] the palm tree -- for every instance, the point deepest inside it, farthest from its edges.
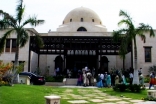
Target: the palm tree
(127, 35)
(16, 24)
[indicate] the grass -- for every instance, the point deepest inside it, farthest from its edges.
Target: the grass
(24, 94)
(139, 96)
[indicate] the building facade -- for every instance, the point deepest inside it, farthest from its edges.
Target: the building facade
(82, 40)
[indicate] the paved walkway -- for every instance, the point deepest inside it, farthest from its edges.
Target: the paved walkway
(86, 96)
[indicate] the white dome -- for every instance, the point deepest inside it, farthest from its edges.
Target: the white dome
(76, 15)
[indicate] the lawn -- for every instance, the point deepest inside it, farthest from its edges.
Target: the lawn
(33, 94)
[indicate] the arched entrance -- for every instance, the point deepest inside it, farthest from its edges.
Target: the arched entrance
(59, 63)
(104, 64)
(81, 29)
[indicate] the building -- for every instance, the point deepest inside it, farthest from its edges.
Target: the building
(82, 40)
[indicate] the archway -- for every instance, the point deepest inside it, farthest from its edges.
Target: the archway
(81, 29)
(104, 64)
(59, 63)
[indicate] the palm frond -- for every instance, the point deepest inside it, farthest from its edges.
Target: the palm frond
(3, 40)
(123, 48)
(33, 21)
(126, 22)
(3, 25)
(152, 34)
(119, 34)
(38, 39)
(146, 28)
(23, 38)
(1, 13)
(7, 21)
(20, 11)
(125, 15)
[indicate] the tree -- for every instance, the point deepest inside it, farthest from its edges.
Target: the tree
(16, 24)
(127, 35)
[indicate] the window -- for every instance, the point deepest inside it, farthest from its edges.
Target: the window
(92, 20)
(81, 19)
(148, 54)
(70, 20)
(81, 29)
(7, 49)
(13, 49)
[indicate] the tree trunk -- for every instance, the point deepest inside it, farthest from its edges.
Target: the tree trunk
(16, 63)
(135, 73)
(123, 63)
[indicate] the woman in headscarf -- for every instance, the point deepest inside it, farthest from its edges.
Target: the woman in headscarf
(124, 80)
(99, 81)
(108, 80)
(116, 79)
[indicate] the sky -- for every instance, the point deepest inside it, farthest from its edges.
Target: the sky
(54, 11)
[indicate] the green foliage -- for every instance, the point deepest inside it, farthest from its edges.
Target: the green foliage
(54, 79)
(134, 88)
(15, 24)
(123, 88)
(149, 98)
(152, 68)
(3, 83)
(120, 87)
(146, 79)
(20, 68)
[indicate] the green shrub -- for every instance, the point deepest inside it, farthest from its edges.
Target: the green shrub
(54, 79)
(131, 88)
(134, 88)
(147, 79)
(120, 87)
(149, 99)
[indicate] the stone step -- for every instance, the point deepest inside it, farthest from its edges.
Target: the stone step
(70, 81)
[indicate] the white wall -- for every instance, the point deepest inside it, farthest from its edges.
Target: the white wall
(33, 62)
(141, 53)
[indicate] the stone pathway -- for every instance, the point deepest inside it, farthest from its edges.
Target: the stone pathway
(85, 96)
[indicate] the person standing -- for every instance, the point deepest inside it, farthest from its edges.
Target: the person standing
(79, 79)
(99, 82)
(86, 68)
(93, 72)
(141, 80)
(139, 71)
(116, 79)
(57, 71)
(105, 79)
(152, 80)
(124, 80)
(130, 78)
(108, 80)
(102, 78)
(84, 79)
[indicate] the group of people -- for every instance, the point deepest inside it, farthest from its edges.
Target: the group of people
(104, 80)
(110, 79)
(113, 78)
(86, 77)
